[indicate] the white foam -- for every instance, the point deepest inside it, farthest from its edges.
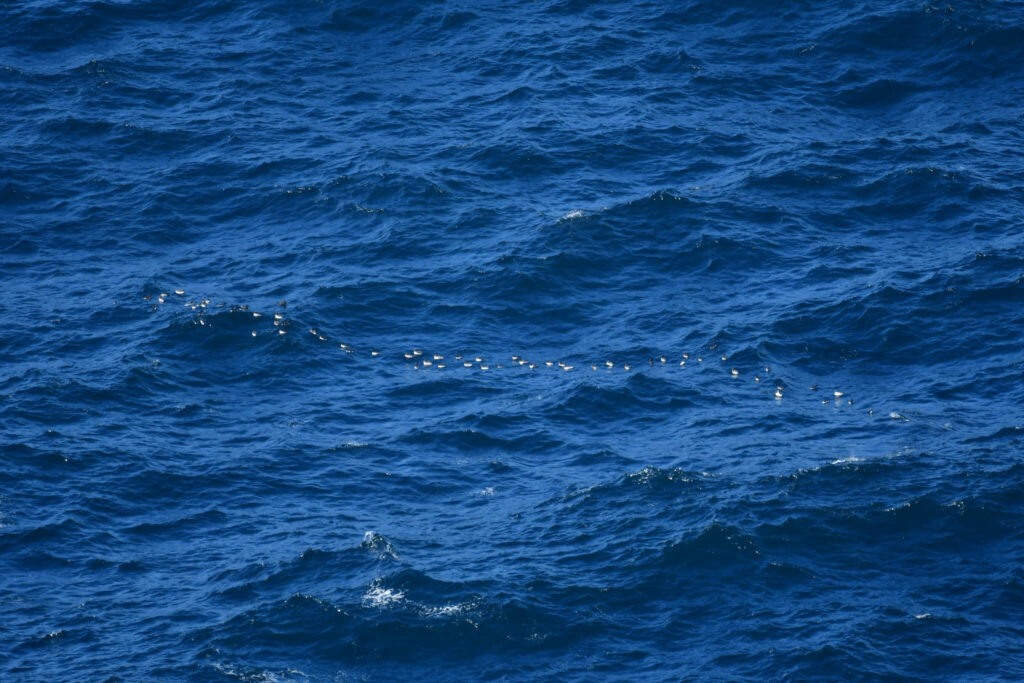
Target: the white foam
(378, 596)
(575, 213)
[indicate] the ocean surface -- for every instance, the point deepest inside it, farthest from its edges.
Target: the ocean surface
(553, 340)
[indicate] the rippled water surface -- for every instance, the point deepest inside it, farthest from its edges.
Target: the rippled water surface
(213, 213)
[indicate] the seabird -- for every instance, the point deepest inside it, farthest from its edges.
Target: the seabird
(609, 364)
(662, 359)
(179, 292)
(417, 352)
(735, 372)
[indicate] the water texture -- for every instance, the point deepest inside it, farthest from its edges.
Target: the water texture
(212, 213)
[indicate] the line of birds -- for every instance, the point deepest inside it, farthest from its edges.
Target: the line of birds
(422, 360)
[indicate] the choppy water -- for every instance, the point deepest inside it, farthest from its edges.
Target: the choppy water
(832, 190)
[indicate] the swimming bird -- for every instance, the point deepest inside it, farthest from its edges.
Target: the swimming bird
(757, 378)
(278, 316)
(663, 359)
(467, 364)
(441, 366)
(682, 363)
(549, 363)
(407, 355)
(427, 363)
(344, 347)
(778, 392)
(438, 356)
(417, 352)
(837, 393)
(686, 355)
(814, 387)
(282, 332)
(179, 292)
(458, 356)
(609, 364)
(254, 333)
(724, 359)
(479, 359)
(485, 367)
(626, 366)
(699, 359)
(735, 372)
(567, 368)
(257, 315)
(593, 367)
(374, 353)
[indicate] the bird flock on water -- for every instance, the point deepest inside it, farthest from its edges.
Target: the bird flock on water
(419, 360)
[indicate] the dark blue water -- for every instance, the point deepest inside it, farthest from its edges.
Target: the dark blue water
(825, 195)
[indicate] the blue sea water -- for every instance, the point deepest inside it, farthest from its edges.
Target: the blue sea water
(226, 484)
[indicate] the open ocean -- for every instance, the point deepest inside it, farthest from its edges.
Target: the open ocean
(552, 340)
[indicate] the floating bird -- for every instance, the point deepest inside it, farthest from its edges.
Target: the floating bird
(417, 352)
(179, 292)
(609, 364)
(407, 355)
(438, 356)
(662, 359)
(254, 333)
(686, 355)
(458, 356)
(682, 363)
(374, 353)
(778, 393)
(282, 332)
(735, 372)
(441, 366)
(713, 346)
(479, 359)
(467, 364)
(767, 368)
(427, 363)
(814, 387)
(756, 378)
(567, 368)
(278, 316)
(593, 367)
(485, 367)
(837, 393)
(699, 359)
(549, 363)
(626, 367)
(724, 359)
(257, 315)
